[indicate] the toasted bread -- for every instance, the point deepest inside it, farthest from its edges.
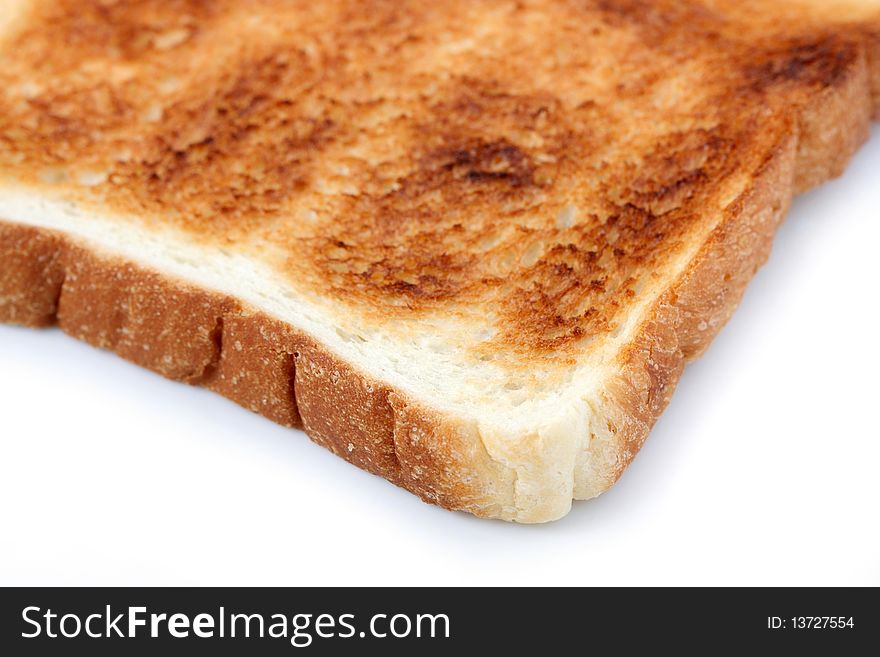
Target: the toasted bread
(468, 246)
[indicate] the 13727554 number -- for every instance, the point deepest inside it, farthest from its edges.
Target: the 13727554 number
(810, 623)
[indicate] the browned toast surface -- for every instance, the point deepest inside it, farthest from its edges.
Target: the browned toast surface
(535, 159)
(535, 171)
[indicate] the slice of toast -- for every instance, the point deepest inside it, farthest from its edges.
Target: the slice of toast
(467, 246)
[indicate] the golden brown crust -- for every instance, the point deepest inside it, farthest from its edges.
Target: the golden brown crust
(873, 40)
(203, 338)
(823, 134)
(687, 317)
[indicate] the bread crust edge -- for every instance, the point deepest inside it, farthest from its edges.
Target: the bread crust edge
(825, 132)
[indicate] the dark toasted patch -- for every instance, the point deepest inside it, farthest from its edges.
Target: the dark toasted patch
(823, 62)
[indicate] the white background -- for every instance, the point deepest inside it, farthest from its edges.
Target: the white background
(765, 469)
